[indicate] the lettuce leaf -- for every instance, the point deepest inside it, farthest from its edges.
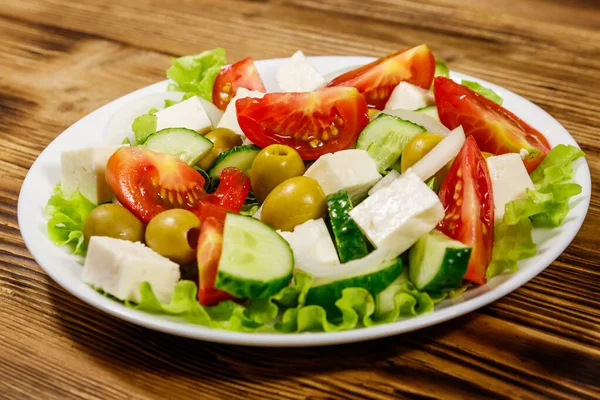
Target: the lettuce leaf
(65, 226)
(546, 206)
(195, 75)
(482, 90)
(285, 312)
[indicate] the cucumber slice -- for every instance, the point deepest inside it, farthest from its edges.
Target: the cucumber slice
(385, 137)
(256, 262)
(430, 110)
(189, 145)
(349, 240)
(240, 157)
(325, 291)
(437, 263)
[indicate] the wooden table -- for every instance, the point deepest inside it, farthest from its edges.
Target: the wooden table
(61, 59)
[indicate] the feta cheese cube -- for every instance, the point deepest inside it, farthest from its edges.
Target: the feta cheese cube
(311, 244)
(229, 118)
(188, 114)
(352, 170)
(397, 215)
(407, 96)
(85, 169)
(510, 181)
(119, 267)
(299, 75)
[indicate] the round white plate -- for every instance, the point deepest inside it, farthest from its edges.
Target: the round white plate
(65, 269)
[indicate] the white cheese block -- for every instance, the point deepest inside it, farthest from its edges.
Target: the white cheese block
(311, 244)
(188, 114)
(299, 75)
(396, 216)
(407, 96)
(510, 181)
(85, 169)
(351, 170)
(229, 118)
(119, 267)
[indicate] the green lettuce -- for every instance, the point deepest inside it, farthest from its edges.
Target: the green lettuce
(286, 311)
(65, 226)
(546, 206)
(482, 90)
(195, 75)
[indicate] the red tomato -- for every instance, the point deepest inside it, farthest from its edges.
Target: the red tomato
(147, 183)
(241, 74)
(230, 195)
(232, 191)
(377, 79)
(496, 129)
(466, 194)
(313, 123)
(210, 244)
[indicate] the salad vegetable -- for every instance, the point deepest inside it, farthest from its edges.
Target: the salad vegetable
(343, 204)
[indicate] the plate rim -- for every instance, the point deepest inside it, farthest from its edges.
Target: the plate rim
(200, 332)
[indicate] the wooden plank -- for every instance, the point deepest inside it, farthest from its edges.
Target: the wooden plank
(60, 60)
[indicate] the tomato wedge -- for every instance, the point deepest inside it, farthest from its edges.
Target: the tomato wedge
(313, 123)
(241, 74)
(468, 201)
(495, 129)
(210, 245)
(378, 79)
(147, 183)
(230, 195)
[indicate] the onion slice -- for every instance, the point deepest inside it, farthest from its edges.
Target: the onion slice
(429, 123)
(119, 126)
(359, 266)
(440, 155)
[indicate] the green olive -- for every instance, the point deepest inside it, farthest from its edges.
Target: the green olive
(223, 139)
(294, 202)
(174, 234)
(273, 165)
(114, 221)
(417, 147)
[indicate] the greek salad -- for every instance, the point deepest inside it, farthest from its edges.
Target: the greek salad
(331, 204)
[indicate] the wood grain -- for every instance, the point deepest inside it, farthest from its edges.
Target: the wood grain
(59, 60)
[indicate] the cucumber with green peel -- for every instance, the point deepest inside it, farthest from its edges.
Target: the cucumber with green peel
(188, 145)
(430, 110)
(385, 138)
(349, 240)
(437, 263)
(325, 291)
(256, 262)
(240, 157)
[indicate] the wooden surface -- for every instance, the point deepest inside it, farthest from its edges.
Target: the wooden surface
(61, 59)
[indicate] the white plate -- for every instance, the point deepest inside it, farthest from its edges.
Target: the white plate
(66, 270)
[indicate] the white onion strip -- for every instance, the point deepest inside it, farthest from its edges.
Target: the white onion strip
(440, 155)
(351, 268)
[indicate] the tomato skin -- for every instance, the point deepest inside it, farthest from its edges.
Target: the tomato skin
(230, 196)
(147, 183)
(377, 80)
(210, 245)
(240, 74)
(495, 129)
(467, 197)
(312, 123)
